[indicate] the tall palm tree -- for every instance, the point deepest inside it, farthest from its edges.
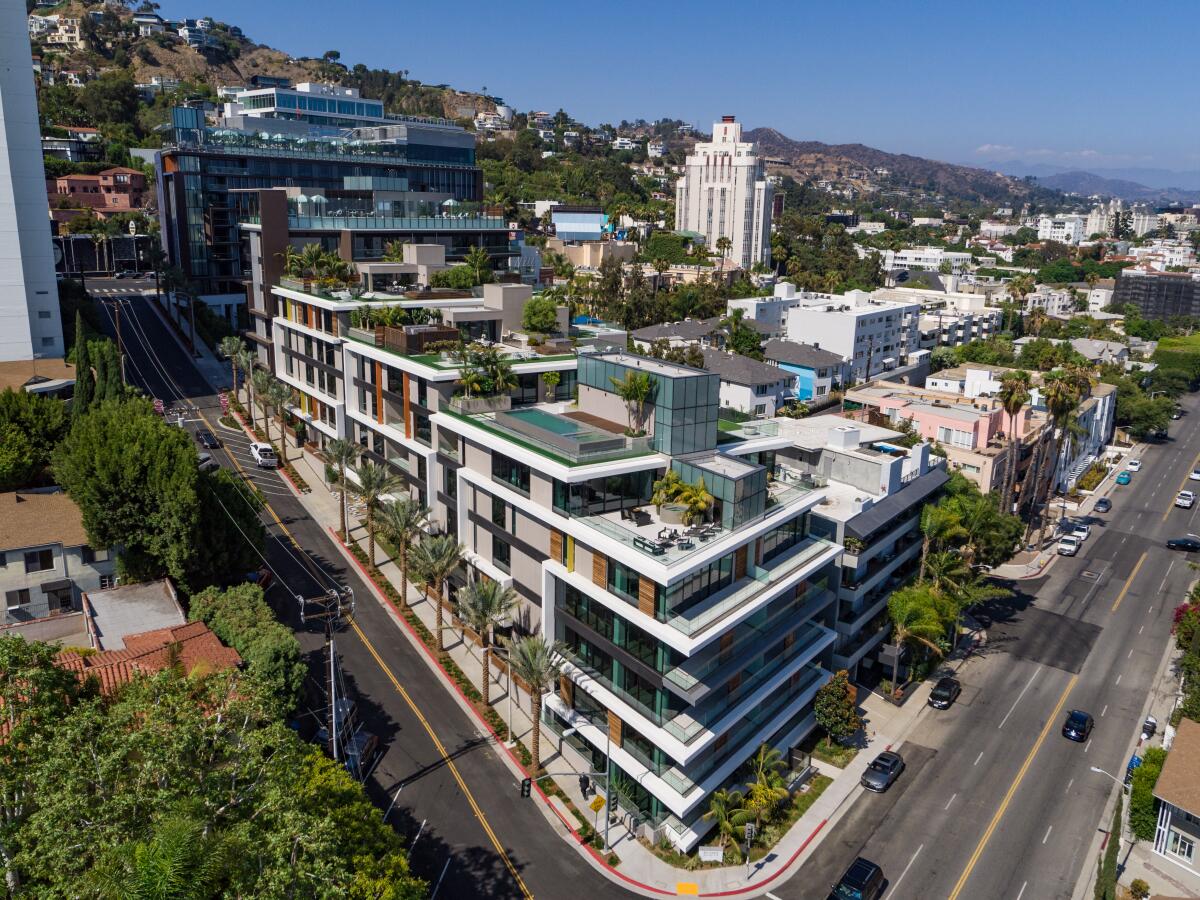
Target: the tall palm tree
(246, 359)
(261, 383)
(723, 245)
(402, 522)
(1014, 394)
(636, 389)
(915, 620)
(939, 526)
(725, 809)
(1036, 319)
(483, 605)
(279, 396)
(374, 481)
(1063, 391)
(231, 347)
(977, 515)
(766, 789)
(342, 453)
(660, 266)
(537, 662)
(433, 559)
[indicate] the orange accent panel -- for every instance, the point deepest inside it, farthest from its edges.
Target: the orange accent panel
(378, 391)
(407, 418)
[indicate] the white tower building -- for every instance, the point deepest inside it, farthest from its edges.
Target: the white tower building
(29, 320)
(724, 192)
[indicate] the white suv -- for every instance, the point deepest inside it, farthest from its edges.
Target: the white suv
(1185, 499)
(1068, 546)
(264, 456)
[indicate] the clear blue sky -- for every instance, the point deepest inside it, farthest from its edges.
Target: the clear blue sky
(1095, 84)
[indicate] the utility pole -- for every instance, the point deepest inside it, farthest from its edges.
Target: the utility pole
(120, 345)
(192, 311)
(331, 693)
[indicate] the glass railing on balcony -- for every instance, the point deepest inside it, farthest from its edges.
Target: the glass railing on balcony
(721, 666)
(716, 607)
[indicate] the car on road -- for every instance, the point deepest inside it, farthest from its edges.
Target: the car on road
(207, 439)
(1177, 414)
(1124, 478)
(1134, 465)
(1188, 544)
(1185, 499)
(1068, 545)
(1078, 726)
(944, 693)
(120, 275)
(1081, 530)
(206, 463)
(1194, 475)
(264, 456)
(863, 881)
(883, 770)
(1103, 505)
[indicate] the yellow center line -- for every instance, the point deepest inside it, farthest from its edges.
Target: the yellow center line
(441, 749)
(1182, 485)
(1129, 581)
(987, 835)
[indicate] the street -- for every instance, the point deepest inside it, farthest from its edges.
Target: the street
(454, 799)
(1007, 807)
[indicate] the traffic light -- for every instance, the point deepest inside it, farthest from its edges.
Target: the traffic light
(585, 785)
(526, 787)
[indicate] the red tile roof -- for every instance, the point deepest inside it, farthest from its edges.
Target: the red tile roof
(193, 645)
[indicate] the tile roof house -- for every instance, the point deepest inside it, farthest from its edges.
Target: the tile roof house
(1178, 791)
(193, 646)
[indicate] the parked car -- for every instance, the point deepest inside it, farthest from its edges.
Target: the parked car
(863, 881)
(1103, 505)
(883, 770)
(1185, 499)
(206, 463)
(1081, 530)
(120, 275)
(1194, 475)
(1177, 414)
(207, 439)
(1188, 544)
(1068, 546)
(944, 693)
(264, 456)
(1134, 465)
(1124, 478)
(1078, 726)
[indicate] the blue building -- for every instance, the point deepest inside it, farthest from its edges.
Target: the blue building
(579, 223)
(817, 371)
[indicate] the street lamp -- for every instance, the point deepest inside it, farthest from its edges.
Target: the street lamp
(1100, 771)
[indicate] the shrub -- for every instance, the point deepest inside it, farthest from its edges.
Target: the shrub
(1143, 817)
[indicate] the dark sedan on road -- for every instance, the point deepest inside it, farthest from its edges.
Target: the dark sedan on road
(883, 770)
(944, 693)
(863, 881)
(1187, 544)
(1078, 726)
(1103, 505)
(207, 439)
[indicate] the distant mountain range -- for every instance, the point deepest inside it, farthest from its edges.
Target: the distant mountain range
(1132, 184)
(816, 159)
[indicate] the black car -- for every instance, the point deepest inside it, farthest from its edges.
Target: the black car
(883, 770)
(1103, 505)
(944, 693)
(207, 439)
(1078, 726)
(863, 881)
(1188, 544)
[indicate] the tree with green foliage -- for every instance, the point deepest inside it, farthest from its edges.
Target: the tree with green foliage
(940, 526)
(536, 662)
(1106, 879)
(1143, 808)
(31, 426)
(916, 621)
(433, 560)
(835, 707)
(482, 605)
(402, 522)
(1014, 394)
(636, 389)
(551, 381)
(373, 481)
(726, 809)
(540, 315)
(480, 264)
(342, 454)
(85, 384)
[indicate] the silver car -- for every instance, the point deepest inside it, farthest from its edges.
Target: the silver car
(883, 770)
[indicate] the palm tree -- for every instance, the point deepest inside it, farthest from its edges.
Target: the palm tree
(767, 789)
(697, 499)
(725, 808)
(374, 481)
(723, 245)
(1014, 394)
(502, 376)
(915, 620)
(279, 396)
(1036, 319)
(231, 347)
(1063, 390)
(636, 389)
(433, 559)
(182, 859)
(977, 515)
(261, 383)
(483, 605)
(660, 266)
(537, 662)
(471, 381)
(939, 526)
(478, 261)
(245, 361)
(666, 489)
(342, 454)
(403, 521)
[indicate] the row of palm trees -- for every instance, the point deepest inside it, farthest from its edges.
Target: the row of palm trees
(261, 387)
(431, 559)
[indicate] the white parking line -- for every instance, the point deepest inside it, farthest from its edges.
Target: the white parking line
(1047, 837)
(1141, 628)
(1129, 654)
(1103, 711)
(1089, 746)
(1069, 783)
(951, 800)
(905, 872)
(978, 758)
(1021, 893)
(1018, 700)
(1118, 679)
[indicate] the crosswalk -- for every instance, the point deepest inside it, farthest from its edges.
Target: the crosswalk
(129, 292)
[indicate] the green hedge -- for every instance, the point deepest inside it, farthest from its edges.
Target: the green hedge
(1143, 816)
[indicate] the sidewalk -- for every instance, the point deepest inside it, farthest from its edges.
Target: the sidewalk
(215, 371)
(639, 869)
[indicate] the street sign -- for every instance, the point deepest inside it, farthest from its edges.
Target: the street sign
(597, 803)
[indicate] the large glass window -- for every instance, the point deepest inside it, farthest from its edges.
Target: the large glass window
(578, 605)
(510, 472)
(422, 430)
(499, 512)
(704, 582)
(785, 536)
(600, 495)
(501, 554)
(622, 581)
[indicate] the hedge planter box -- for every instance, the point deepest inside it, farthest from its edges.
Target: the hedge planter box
(899, 696)
(472, 405)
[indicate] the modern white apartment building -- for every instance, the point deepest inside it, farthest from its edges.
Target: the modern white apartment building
(873, 334)
(327, 105)
(1057, 302)
(724, 192)
(30, 325)
(1143, 221)
(926, 259)
(1164, 254)
(1064, 229)
(990, 228)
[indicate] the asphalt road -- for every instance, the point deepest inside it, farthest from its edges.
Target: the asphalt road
(1007, 807)
(456, 804)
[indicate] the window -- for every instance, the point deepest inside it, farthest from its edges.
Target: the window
(501, 554)
(450, 482)
(39, 560)
(510, 472)
(623, 581)
(499, 512)
(18, 598)
(43, 313)
(107, 581)
(1181, 846)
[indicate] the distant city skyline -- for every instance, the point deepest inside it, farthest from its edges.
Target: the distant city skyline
(1041, 83)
